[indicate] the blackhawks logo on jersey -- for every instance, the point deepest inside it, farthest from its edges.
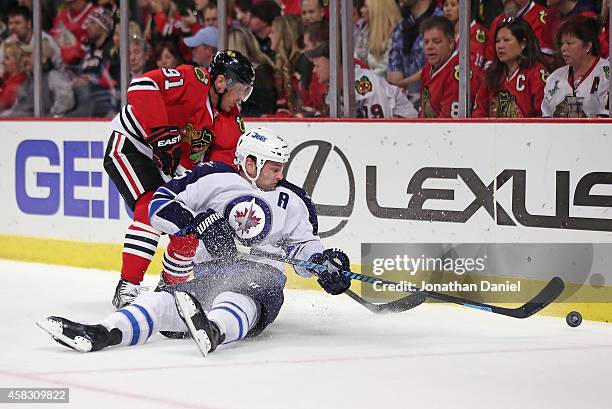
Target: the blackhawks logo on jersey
(363, 85)
(481, 37)
(504, 106)
(606, 71)
(427, 109)
(565, 110)
(543, 15)
(240, 123)
(198, 140)
(200, 75)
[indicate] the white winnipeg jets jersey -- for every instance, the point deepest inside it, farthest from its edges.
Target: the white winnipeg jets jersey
(593, 88)
(282, 221)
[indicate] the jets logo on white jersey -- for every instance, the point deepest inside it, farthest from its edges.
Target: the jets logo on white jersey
(251, 218)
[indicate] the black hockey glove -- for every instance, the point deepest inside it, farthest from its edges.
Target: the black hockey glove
(332, 280)
(166, 144)
(216, 234)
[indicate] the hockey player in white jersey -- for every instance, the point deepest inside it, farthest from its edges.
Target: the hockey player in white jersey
(232, 296)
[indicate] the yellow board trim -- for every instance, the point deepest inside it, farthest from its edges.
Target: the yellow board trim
(106, 256)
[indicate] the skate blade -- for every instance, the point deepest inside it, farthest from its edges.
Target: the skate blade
(187, 310)
(55, 329)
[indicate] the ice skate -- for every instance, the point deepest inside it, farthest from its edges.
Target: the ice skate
(82, 337)
(125, 293)
(204, 332)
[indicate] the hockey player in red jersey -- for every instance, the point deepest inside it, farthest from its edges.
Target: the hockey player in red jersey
(514, 86)
(166, 127)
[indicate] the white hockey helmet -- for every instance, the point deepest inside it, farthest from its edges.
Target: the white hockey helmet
(263, 144)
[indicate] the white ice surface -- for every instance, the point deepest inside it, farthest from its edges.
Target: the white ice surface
(322, 352)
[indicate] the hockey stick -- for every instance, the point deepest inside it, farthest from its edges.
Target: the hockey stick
(403, 304)
(548, 294)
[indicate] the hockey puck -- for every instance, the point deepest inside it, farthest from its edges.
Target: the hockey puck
(573, 319)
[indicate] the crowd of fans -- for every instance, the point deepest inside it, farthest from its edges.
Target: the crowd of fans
(528, 58)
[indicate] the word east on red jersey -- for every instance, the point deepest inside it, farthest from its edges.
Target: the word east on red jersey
(519, 96)
(167, 97)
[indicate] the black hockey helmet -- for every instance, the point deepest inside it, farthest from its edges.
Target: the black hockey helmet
(232, 65)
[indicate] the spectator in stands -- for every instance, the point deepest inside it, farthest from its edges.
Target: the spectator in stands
(210, 15)
(478, 32)
(534, 14)
(294, 69)
(203, 45)
(374, 97)
(69, 30)
(315, 34)
(94, 85)
(243, 12)
(561, 10)
(382, 17)
(20, 30)
(263, 98)
(167, 55)
(406, 57)
(515, 80)
(439, 79)
(312, 11)
(580, 88)
(57, 91)
(139, 56)
(260, 23)
(362, 30)
(15, 73)
(115, 64)
(163, 22)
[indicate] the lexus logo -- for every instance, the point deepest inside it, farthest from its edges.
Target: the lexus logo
(318, 163)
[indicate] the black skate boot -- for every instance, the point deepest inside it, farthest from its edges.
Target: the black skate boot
(82, 337)
(205, 333)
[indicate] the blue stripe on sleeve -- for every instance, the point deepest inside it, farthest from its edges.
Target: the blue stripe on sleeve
(135, 326)
(147, 317)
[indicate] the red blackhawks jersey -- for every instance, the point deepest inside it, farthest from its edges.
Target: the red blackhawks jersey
(440, 89)
(519, 96)
(169, 97)
(478, 42)
(70, 33)
(537, 17)
(227, 130)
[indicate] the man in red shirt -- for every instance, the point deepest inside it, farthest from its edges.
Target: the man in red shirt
(69, 29)
(535, 15)
(168, 122)
(440, 74)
